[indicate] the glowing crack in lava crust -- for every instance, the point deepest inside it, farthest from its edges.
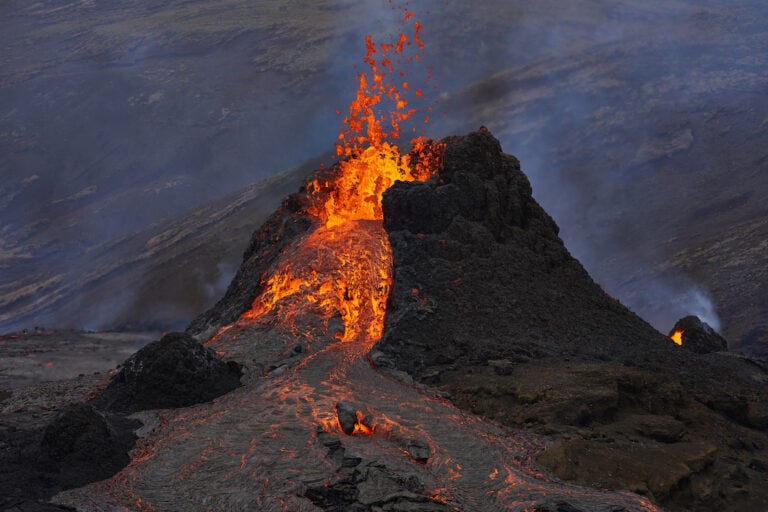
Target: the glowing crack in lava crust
(267, 446)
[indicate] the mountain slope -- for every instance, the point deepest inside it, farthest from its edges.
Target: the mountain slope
(156, 278)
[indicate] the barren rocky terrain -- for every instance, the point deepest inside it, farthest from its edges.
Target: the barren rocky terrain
(37, 356)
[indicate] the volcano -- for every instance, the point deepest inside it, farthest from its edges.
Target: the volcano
(279, 442)
(497, 357)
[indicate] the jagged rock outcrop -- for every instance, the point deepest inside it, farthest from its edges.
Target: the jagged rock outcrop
(481, 274)
(176, 371)
(698, 336)
(488, 305)
(368, 486)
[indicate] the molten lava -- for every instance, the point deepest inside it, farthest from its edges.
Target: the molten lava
(677, 337)
(343, 269)
(361, 426)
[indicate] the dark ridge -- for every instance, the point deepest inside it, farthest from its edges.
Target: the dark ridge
(266, 244)
(488, 306)
(175, 371)
(481, 274)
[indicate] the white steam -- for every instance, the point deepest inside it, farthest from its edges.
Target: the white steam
(663, 300)
(699, 304)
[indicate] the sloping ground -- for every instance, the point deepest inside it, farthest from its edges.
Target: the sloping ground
(488, 305)
(275, 445)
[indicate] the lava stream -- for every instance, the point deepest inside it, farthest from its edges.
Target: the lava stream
(257, 448)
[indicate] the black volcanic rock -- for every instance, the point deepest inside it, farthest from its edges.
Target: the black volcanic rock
(78, 446)
(371, 486)
(347, 415)
(418, 451)
(175, 371)
(698, 336)
(481, 274)
(91, 441)
(488, 305)
(84, 445)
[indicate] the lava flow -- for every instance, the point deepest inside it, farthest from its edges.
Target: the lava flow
(343, 269)
(278, 443)
(677, 337)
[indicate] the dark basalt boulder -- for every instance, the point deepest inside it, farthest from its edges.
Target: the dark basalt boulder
(347, 416)
(698, 336)
(78, 446)
(83, 445)
(176, 371)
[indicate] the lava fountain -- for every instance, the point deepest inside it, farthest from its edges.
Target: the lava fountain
(278, 442)
(344, 267)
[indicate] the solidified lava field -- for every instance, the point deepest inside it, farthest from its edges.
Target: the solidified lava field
(260, 447)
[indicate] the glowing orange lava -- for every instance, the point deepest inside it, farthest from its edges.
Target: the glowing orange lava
(360, 426)
(342, 270)
(677, 337)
